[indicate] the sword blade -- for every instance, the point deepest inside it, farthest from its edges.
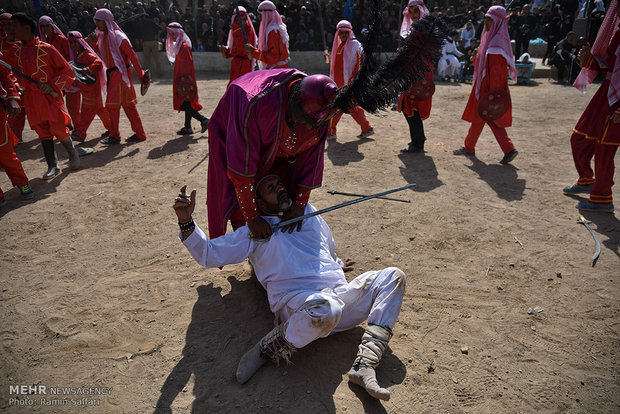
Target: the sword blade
(597, 252)
(23, 75)
(245, 36)
(337, 206)
(362, 195)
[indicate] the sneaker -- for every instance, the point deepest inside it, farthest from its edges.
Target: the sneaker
(577, 189)
(185, 131)
(204, 124)
(509, 157)
(332, 137)
(110, 141)
(134, 138)
(366, 134)
(411, 148)
(462, 151)
(26, 191)
(588, 206)
(51, 173)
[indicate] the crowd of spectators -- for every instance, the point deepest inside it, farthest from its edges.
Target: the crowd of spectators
(207, 27)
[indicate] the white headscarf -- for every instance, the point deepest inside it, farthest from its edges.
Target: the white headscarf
(173, 46)
(115, 37)
(270, 20)
(351, 50)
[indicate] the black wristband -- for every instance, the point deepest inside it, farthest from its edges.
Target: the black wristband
(187, 226)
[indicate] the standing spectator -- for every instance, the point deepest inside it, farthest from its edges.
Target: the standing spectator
(494, 54)
(345, 62)
(525, 26)
(149, 32)
(273, 40)
(468, 32)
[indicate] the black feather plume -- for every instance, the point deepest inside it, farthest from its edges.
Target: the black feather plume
(377, 90)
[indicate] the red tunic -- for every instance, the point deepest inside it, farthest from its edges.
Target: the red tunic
(91, 94)
(407, 105)
(595, 121)
(240, 64)
(276, 55)
(118, 92)
(43, 63)
(184, 65)
(496, 78)
(7, 82)
(61, 44)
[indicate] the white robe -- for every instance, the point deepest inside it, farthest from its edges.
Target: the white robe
(449, 64)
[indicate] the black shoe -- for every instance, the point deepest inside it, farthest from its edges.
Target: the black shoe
(509, 157)
(105, 134)
(76, 137)
(26, 192)
(110, 141)
(134, 138)
(204, 124)
(51, 173)
(462, 151)
(411, 148)
(185, 131)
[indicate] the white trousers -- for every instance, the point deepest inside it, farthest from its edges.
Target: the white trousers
(448, 66)
(376, 296)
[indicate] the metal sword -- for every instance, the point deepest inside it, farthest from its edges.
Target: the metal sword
(22, 74)
(245, 36)
(362, 195)
(337, 206)
(597, 253)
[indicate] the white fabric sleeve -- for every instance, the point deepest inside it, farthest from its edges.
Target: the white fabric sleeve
(233, 247)
(327, 233)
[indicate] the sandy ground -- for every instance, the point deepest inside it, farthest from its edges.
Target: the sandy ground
(97, 291)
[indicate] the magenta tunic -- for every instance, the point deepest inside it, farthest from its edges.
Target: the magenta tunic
(244, 135)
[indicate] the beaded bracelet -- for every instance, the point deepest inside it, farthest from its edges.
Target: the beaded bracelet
(187, 226)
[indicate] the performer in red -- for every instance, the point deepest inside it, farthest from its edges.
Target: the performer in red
(494, 54)
(414, 110)
(179, 51)
(50, 33)
(113, 45)
(272, 51)
(8, 159)
(345, 62)
(44, 104)
(7, 47)
(597, 134)
(92, 103)
(241, 63)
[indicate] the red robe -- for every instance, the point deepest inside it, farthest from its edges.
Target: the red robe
(18, 121)
(184, 65)
(8, 159)
(276, 55)
(61, 44)
(496, 78)
(72, 95)
(407, 105)
(43, 63)
(92, 102)
(240, 64)
(595, 121)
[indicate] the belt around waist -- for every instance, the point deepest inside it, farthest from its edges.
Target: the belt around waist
(109, 70)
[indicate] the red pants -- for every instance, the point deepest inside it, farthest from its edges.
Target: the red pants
(17, 122)
(583, 151)
(134, 119)
(500, 135)
(74, 100)
(356, 113)
(8, 158)
(47, 131)
(87, 116)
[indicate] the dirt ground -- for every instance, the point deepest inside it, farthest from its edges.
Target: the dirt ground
(98, 292)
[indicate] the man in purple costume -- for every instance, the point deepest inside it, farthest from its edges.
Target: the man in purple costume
(267, 122)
